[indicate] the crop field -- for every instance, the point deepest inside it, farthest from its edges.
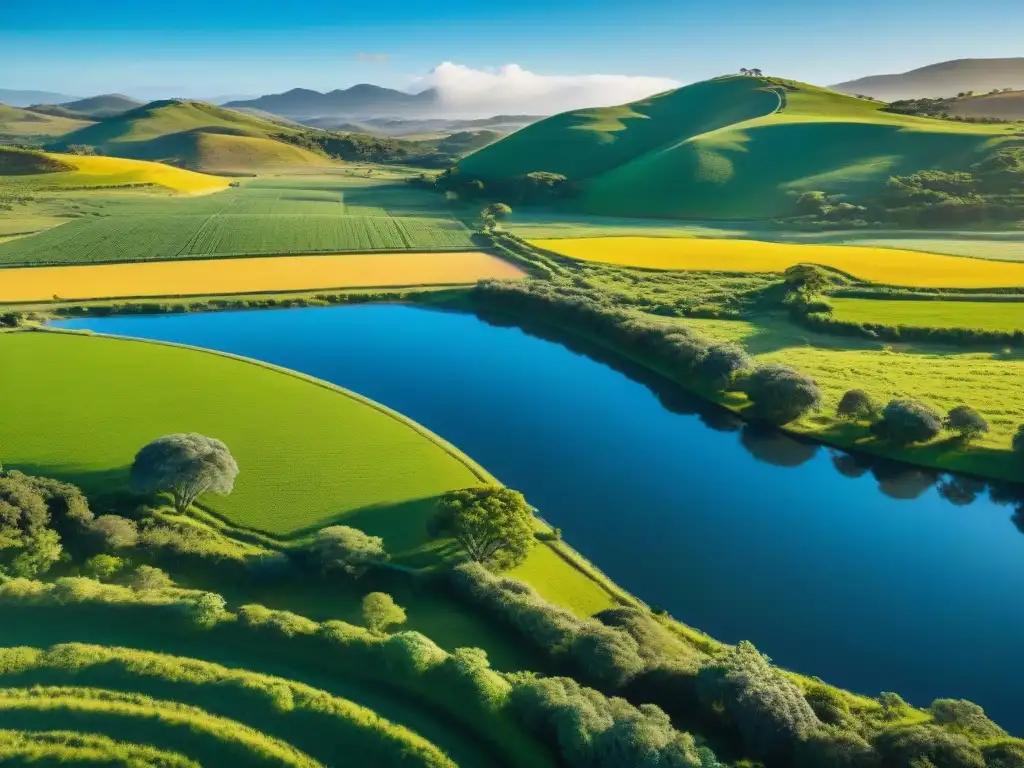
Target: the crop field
(1005, 247)
(272, 216)
(250, 275)
(879, 265)
(308, 454)
(982, 315)
(98, 172)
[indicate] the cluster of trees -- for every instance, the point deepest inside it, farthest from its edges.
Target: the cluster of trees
(940, 107)
(779, 394)
(534, 188)
(366, 148)
(735, 695)
(751, 72)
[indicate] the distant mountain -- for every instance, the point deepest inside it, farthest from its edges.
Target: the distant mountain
(22, 125)
(28, 98)
(1006, 106)
(359, 101)
(941, 80)
(398, 127)
(93, 108)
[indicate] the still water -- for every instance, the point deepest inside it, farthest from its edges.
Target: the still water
(869, 577)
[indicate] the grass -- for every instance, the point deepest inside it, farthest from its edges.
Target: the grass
(99, 172)
(17, 122)
(982, 315)
(730, 148)
(311, 214)
(309, 455)
(880, 265)
(251, 275)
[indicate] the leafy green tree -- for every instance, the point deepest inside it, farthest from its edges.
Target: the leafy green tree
(28, 546)
(186, 465)
(498, 211)
(966, 422)
(907, 421)
(115, 531)
(380, 612)
(207, 609)
(493, 524)
(104, 567)
(341, 547)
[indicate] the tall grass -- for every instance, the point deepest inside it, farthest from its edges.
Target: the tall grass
(70, 748)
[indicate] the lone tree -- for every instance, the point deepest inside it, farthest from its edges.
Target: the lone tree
(781, 394)
(966, 422)
(341, 547)
(493, 524)
(380, 611)
(186, 465)
(497, 211)
(907, 421)
(857, 405)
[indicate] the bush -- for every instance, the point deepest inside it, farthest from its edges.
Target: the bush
(115, 531)
(835, 748)
(857, 405)
(722, 364)
(965, 717)
(913, 745)
(907, 421)
(380, 612)
(966, 422)
(1007, 754)
(766, 708)
(147, 578)
(206, 609)
(104, 567)
(340, 547)
(781, 394)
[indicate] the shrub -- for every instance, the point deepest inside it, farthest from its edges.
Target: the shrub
(855, 405)
(907, 421)
(781, 394)
(767, 708)
(721, 364)
(380, 612)
(829, 705)
(104, 566)
(340, 547)
(115, 531)
(923, 745)
(966, 422)
(206, 609)
(1007, 754)
(965, 717)
(835, 748)
(147, 578)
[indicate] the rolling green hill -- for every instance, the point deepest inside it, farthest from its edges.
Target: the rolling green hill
(93, 108)
(18, 123)
(195, 135)
(730, 148)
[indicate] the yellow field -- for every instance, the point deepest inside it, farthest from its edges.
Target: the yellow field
(879, 265)
(249, 275)
(116, 170)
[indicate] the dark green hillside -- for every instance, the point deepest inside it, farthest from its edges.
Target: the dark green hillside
(731, 148)
(93, 108)
(25, 162)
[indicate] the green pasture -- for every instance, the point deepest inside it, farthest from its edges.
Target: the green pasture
(313, 214)
(309, 455)
(731, 148)
(982, 315)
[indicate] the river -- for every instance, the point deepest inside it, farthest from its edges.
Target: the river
(872, 577)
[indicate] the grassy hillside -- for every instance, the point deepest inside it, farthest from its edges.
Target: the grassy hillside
(93, 108)
(734, 147)
(51, 171)
(195, 135)
(16, 123)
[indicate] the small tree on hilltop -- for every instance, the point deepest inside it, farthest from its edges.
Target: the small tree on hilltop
(493, 524)
(341, 547)
(380, 612)
(907, 421)
(781, 394)
(186, 465)
(857, 405)
(966, 422)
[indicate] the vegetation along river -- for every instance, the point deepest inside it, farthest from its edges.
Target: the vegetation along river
(873, 577)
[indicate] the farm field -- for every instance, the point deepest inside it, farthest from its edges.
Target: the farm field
(309, 454)
(99, 172)
(879, 265)
(982, 315)
(273, 215)
(250, 275)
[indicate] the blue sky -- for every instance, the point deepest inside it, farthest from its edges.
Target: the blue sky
(210, 47)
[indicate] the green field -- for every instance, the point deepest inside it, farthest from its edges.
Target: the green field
(309, 454)
(982, 315)
(730, 148)
(272, 216)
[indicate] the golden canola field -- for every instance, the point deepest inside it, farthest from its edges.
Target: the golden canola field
(249, 275)
(878, 265)
(103, 171)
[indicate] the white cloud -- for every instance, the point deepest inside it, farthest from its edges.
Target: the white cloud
(512, 89)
